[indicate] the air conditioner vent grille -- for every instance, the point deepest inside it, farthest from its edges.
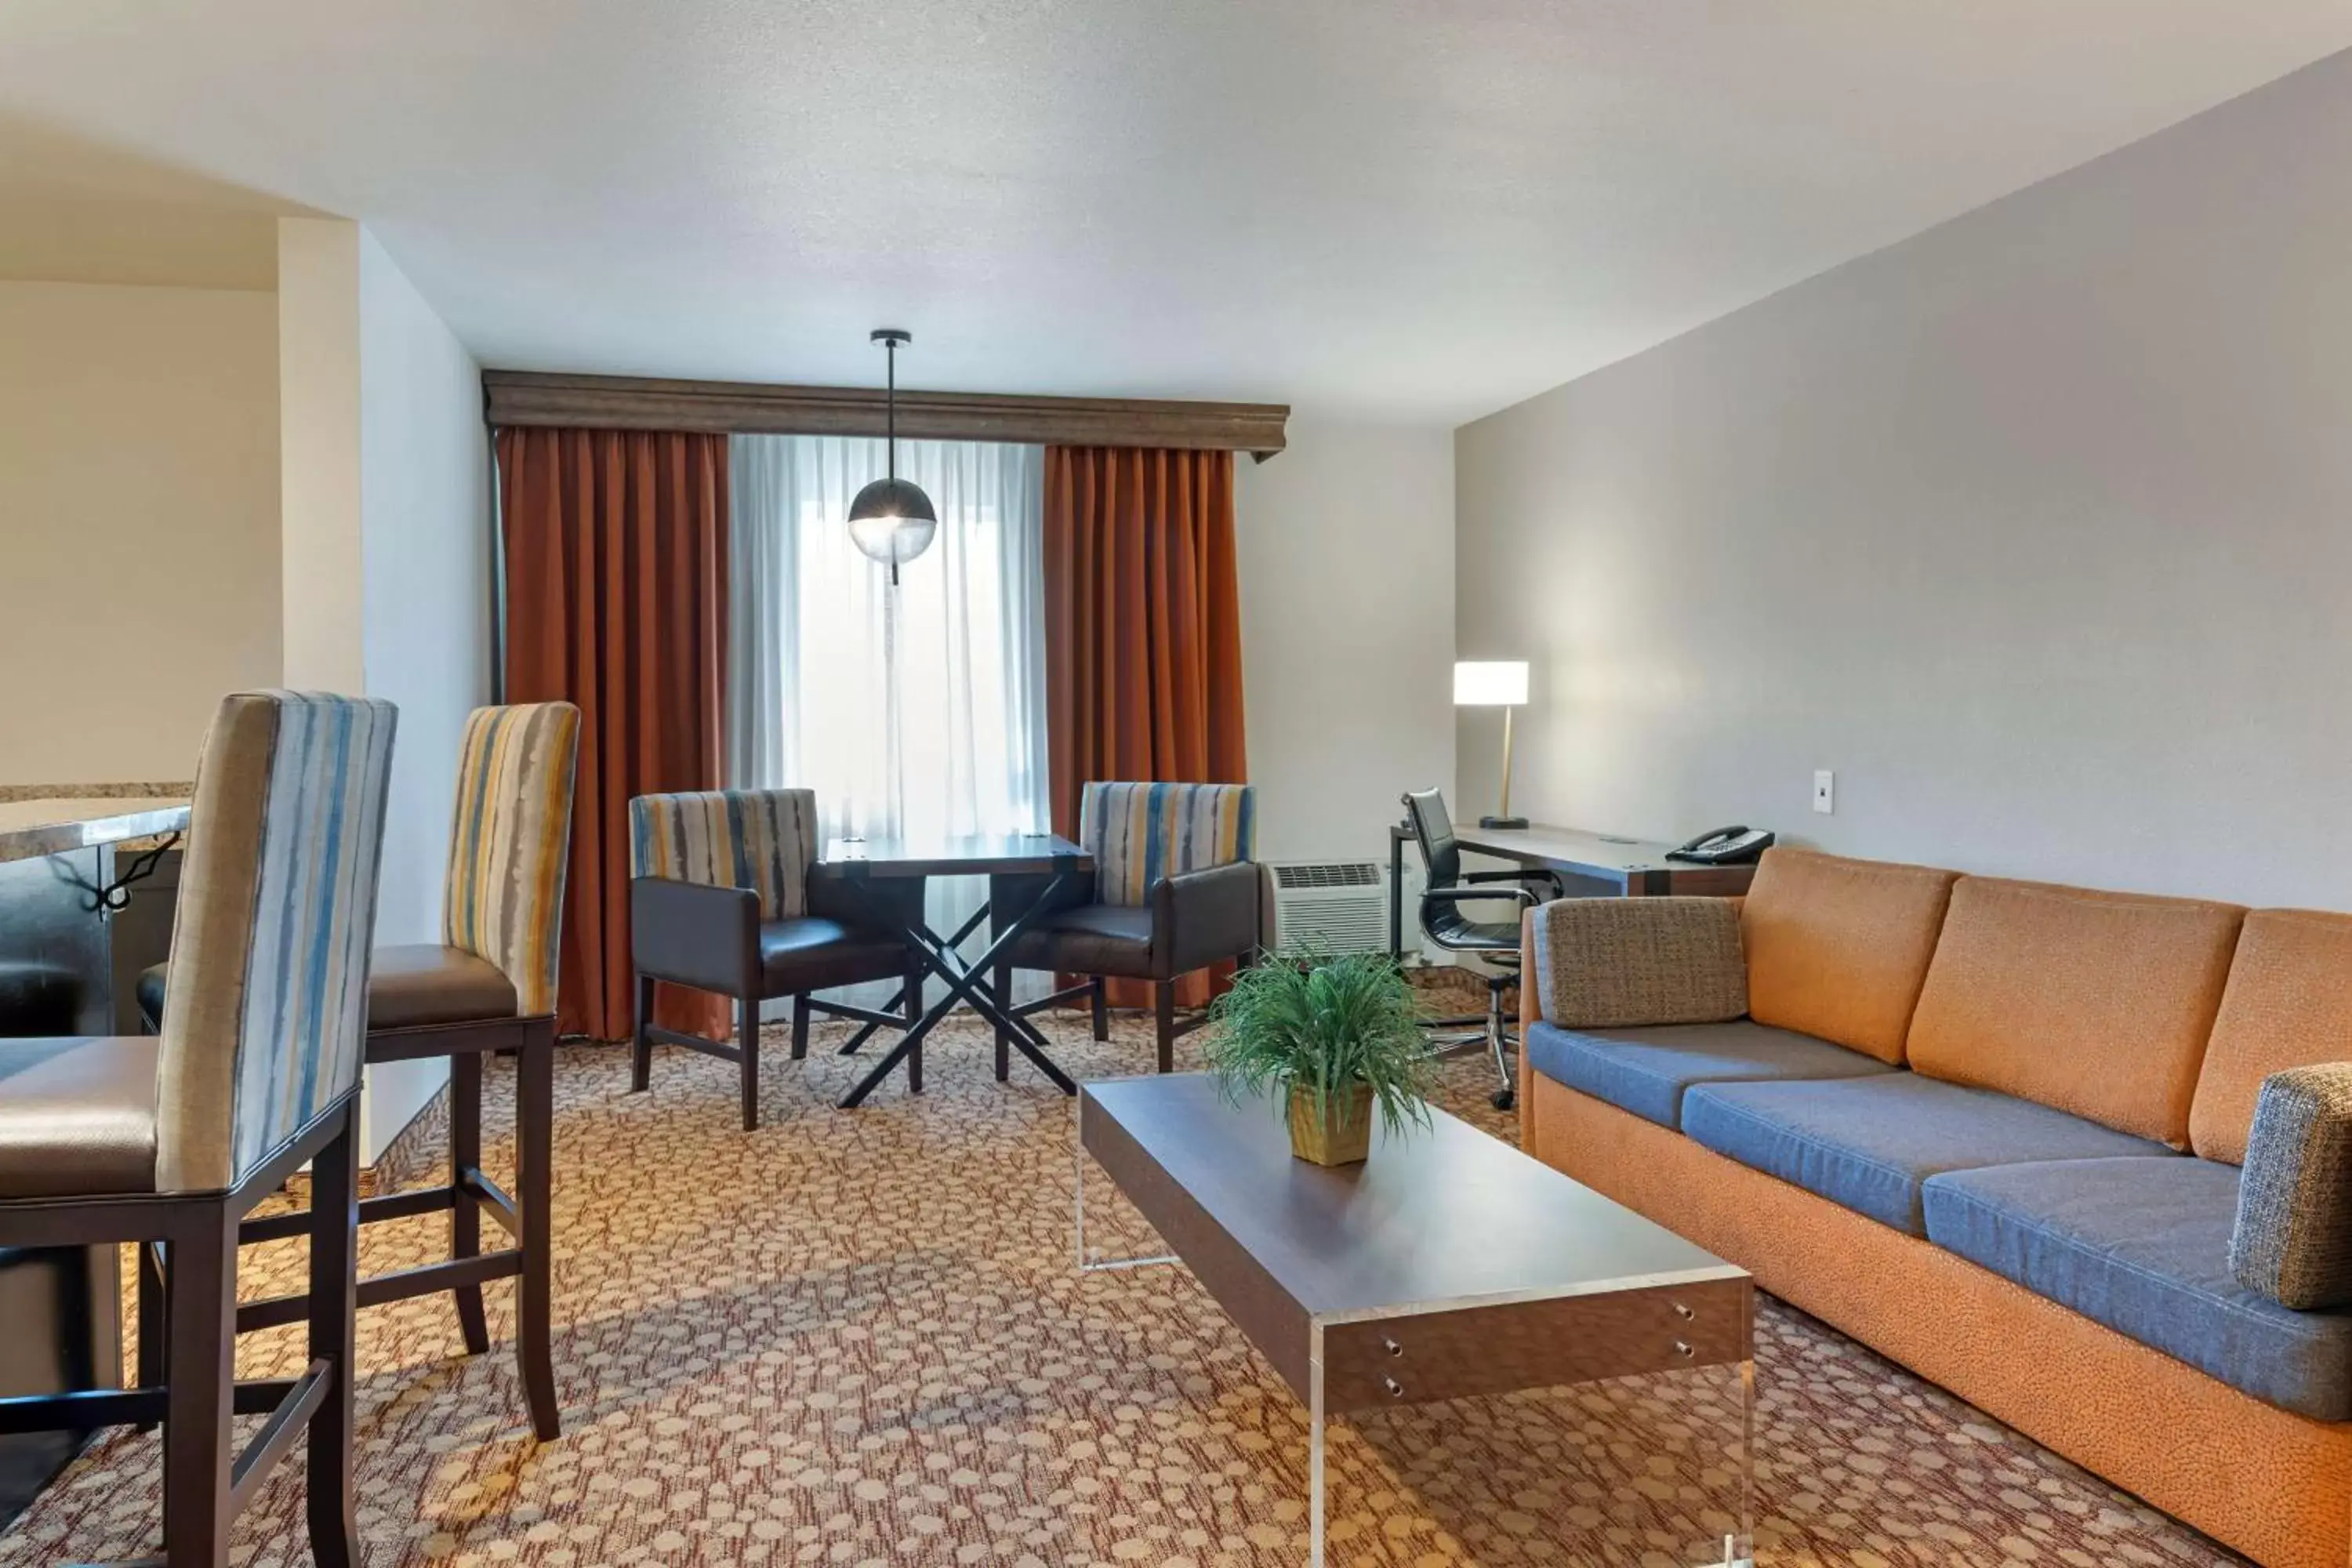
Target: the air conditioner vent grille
(1328, 874)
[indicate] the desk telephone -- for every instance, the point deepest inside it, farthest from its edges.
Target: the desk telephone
(1735, 845)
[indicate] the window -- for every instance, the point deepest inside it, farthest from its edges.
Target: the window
(916, 710)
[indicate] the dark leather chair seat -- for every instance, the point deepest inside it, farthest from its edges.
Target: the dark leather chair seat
(77, 1116)
(1091, 939)
(811, 952)
(410, 985)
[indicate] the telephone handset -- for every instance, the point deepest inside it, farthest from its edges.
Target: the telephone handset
(1734, 845)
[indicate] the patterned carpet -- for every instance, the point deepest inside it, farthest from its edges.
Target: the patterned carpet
(857, 1339)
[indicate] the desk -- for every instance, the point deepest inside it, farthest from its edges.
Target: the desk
(858, 861)
(1589, 865)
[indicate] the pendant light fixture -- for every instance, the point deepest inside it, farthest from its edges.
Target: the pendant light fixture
(892, 520)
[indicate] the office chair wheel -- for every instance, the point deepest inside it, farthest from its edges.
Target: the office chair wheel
(1504, 1099)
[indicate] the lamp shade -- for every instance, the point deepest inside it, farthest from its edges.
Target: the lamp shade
(892, 521)
(1490, 683)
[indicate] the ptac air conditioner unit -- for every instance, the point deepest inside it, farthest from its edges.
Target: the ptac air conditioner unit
(1333, 905)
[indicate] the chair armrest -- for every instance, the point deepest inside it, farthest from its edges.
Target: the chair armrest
(1622, 962)
(1201, 917)
(1463, 894)
(1549, 880)
(2292, 1239)
(695, 933)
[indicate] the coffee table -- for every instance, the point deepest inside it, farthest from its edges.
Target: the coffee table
(1449, 1265)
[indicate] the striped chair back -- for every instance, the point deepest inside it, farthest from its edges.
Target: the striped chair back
(1139, 833)
(764, 839)
(511, 843)
(267, 1006)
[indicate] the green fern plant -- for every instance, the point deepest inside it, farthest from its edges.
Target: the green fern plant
(1305, 1022)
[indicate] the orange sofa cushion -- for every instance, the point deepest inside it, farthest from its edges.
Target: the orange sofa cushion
(1838, 948)
(2098, 1004)
(2288, 1003)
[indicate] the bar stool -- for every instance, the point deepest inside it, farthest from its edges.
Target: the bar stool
(488, 986)
(721, 898)
(175, 1138)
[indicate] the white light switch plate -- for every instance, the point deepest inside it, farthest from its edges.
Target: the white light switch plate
(1824, 792)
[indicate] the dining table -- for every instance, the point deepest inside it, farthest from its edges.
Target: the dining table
(69, 865)
(1047, 861)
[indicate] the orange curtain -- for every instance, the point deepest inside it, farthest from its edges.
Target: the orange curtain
(1143, 635)
(616, 600)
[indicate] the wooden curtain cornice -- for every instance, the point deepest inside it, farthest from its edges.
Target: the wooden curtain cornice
(518, 398)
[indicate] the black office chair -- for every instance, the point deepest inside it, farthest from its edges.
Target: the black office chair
(1447, 887)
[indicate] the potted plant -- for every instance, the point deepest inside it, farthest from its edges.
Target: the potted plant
(1328, 1039)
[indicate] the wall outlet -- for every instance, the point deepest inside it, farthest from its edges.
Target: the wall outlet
(1824, 791)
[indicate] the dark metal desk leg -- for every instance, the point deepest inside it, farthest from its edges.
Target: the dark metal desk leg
(1396, 894)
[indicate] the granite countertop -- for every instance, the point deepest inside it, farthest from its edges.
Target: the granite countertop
(53, 825)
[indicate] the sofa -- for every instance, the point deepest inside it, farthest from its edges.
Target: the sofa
(2077, 1156)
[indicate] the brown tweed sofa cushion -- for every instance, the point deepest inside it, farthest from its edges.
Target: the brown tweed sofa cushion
(1610, 963)
(2292, 1241)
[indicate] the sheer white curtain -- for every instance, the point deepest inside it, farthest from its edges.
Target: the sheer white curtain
(915, 709)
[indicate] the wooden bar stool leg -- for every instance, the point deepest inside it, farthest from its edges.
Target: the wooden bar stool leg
(153, 1318)
(748, 1031)
(202, 1356)
(333, 1317)
(465, 1214)
(534, 1161)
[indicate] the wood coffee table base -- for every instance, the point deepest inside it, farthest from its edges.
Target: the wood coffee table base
(1449, 1265)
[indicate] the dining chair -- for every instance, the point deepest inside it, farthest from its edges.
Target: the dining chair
(722, 900)
(487, 986)
(174, 1138)
(1173, 890)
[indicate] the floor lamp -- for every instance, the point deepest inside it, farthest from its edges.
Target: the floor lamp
(1494, 683)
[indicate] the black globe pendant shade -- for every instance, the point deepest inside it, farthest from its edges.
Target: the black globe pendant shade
(892, 521)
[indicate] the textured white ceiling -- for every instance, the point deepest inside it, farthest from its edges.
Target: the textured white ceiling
(1419, 209)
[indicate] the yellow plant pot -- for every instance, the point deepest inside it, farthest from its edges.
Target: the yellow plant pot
(1342, 1136)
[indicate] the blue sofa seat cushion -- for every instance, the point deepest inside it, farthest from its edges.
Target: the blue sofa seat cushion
(1645, 1070)
(2142, 1245)
(1869, 1144)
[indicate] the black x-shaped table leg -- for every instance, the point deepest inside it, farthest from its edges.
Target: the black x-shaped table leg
(965, 983)
(898, 997)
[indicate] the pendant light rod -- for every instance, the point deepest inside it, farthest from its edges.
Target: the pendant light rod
(890, 337)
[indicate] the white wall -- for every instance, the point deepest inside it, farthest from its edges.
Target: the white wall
(1346, 584)
(387, 528)
(2037, 529)
(425, 512)
(139, 547)
(319, 451)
